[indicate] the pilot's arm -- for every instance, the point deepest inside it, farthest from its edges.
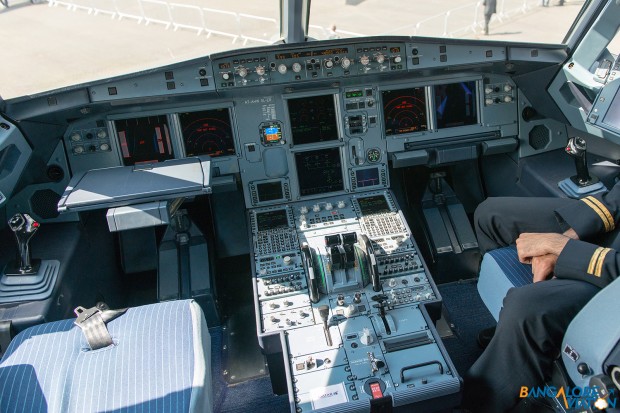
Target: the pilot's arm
(580, 260)
(592, 215)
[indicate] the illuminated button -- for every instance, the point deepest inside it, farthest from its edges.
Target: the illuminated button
(282, 69)
(101, 134)
(76, 137)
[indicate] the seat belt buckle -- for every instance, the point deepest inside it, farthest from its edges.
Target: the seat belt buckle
(84, 314)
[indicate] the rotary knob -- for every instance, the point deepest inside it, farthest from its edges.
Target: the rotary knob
(303, 209)
(243, 72)
(345, 62)
(380, 58)
(76, 137)
(507, 87)
(488, 90)
(282, 69)
(341, 204)
(329, 63)
(392, 283)
(398, 59)
(364, 60)
(78, 149)
(287, 260)
(101, 134)
(507, 99)
(104, 147)
(329, 206)
(260, 70)
(226, 76)
(296, 67)
(316, 207)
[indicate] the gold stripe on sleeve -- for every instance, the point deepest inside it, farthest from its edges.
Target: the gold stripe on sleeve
(605, 211)
(601, 215)
(593, 260)
(599, 264)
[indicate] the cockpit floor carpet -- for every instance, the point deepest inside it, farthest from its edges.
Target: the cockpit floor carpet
(467, 315)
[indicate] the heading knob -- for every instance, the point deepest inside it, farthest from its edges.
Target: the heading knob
(364, 60)
(296, 67)
(260, 70)
(282, 69)
(380, 58)
(243, 72)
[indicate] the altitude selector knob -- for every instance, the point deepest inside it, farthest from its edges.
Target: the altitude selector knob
(243, 72)
(380, 58)
(364, 60)
(260, 70)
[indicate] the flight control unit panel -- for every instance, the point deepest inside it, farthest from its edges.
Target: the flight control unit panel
(341, 290)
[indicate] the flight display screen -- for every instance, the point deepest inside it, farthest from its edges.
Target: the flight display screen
(319, 171)
(271, 220)
(367, 177)
(271, 133)
(269, 191)
(455, 104)
(144, 140)
(313, 119)
(612, 117)
(373, 205)
(207, 132)
(404, 111)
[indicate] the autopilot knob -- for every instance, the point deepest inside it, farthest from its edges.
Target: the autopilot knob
(24, 227)
(341, 204)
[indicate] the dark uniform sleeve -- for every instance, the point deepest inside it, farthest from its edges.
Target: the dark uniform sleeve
(593, 214)
(580, 260)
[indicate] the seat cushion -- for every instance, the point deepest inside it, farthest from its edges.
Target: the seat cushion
(157, 363)
(500, 271)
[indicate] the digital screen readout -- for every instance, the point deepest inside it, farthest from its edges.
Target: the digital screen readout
(312, 53)
(144, 140)
(353, 94)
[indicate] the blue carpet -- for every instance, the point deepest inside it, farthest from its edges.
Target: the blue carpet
(255, 394)
(468, 314)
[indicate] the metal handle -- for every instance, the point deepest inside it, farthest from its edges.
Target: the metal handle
(415, 366)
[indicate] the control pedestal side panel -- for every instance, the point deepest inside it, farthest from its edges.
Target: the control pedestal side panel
(341, 279)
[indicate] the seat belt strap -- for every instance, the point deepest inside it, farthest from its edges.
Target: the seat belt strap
(93, 322)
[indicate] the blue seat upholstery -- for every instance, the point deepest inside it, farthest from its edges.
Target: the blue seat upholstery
(500, 271)
(158, 363)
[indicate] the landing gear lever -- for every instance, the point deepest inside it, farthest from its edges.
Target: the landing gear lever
(24, 228)
(577, 149)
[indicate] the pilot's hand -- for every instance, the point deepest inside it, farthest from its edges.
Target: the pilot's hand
(531, 245)
(542, 267)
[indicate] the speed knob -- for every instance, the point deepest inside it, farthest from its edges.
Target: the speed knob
(364, 60)
(260, 70)
(282, 69)
(296, 67)
(397, 59)
(329, 64)
(345, 62)
(380, 58)
(243, 72)
(226, 76)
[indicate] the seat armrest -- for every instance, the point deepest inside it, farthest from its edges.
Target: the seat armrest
(593, 334)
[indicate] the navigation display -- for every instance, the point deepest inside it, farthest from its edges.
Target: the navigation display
(269, 191)
(404, 111)
(612, 117)
(207, 132)
(455, 104)
(313, 119)
(319, 172)
(144, 140)
(271, 220)
(373, 205)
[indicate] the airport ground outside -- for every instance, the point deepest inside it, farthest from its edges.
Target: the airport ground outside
(50, 45)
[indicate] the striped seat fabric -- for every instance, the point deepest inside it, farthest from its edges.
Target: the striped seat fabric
(500, 271)
(158, 363)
